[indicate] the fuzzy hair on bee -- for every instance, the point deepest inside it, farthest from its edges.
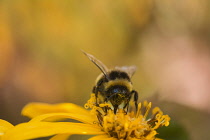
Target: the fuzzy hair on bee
(114, 86)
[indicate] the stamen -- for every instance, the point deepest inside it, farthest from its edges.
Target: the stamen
(139, 110)
(147, 109)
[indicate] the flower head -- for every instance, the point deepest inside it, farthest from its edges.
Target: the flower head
(100, 120)
(127, 125)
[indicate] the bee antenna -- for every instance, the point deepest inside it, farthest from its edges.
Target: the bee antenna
(98, 63)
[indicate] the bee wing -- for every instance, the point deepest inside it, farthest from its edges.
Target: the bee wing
(130, 70)
(98, 63)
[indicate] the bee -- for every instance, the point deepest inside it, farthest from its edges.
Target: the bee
(114, 86)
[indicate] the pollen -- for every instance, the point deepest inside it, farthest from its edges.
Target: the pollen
(141, 124)
(91, 102)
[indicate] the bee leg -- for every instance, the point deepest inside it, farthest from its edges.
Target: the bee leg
(115, 109)
(95, 91)
(135, 98)
(100, 118)
(106, 108)
(127, 104)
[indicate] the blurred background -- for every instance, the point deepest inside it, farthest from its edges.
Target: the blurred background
(169, 42)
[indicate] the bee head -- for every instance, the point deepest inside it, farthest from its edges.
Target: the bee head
(117, 94)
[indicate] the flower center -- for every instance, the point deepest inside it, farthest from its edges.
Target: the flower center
(127, 125)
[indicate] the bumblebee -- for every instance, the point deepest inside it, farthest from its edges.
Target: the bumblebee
(114, 86)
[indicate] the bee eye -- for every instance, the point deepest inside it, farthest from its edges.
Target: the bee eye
(124, 91)
(115, 90)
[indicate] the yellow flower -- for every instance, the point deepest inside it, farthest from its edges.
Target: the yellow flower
(4, 127)
(128, 125)
(46, 121)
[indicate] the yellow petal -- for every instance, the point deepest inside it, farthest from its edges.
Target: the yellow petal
(102, 137)
(32, 130)
(35, 109)
(4, 126)
(56, 116)
(60, 137)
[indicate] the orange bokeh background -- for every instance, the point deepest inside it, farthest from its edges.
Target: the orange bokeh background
(41, 58)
